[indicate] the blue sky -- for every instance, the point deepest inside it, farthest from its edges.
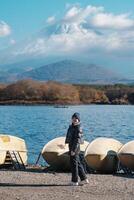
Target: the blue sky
(22, 19)
(27, 16)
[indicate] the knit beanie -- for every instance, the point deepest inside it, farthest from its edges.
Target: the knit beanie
(76, 115)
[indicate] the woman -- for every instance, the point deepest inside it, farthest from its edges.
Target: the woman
(74, 139)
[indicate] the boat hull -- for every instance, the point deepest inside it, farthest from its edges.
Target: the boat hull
(126, 155)
(12, 143)
(55, 153)
(101, 155)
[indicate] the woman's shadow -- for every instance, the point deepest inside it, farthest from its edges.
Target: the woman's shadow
(31, 185)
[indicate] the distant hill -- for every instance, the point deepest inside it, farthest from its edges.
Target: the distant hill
(70, 71)
(66, 71)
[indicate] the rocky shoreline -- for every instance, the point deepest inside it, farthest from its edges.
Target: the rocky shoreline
(37, 103)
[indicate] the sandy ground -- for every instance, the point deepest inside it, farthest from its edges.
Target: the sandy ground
(37, 185)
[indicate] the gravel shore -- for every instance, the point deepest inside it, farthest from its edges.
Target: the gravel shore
(38, 185)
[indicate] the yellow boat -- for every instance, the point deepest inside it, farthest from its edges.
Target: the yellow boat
(10, 143)
(101, 154)
(55, 153)
(126, 155)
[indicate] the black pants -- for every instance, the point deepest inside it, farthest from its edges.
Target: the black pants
(77, 168)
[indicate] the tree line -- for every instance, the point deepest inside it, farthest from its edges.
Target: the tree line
(35, 92)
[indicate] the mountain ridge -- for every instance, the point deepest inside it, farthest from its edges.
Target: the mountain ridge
(66, 71)
(71, 71)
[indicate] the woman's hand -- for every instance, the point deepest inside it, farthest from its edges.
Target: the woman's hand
(72, 153)
(61, 146)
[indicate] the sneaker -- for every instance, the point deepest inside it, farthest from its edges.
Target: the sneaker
(74, 184)
(84, 182)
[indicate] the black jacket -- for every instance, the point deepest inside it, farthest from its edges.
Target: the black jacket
(74, 138)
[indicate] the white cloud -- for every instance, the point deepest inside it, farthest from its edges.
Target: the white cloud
(12, 41)
(77, 14)
(51, 20)
(4, 29)
(108, 20)
(84, 31)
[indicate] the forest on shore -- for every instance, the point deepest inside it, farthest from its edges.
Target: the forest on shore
(32, 92)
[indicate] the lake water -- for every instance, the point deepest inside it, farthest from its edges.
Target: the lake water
(40, 124)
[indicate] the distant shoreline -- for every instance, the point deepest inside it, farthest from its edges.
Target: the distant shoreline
(36, 103)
